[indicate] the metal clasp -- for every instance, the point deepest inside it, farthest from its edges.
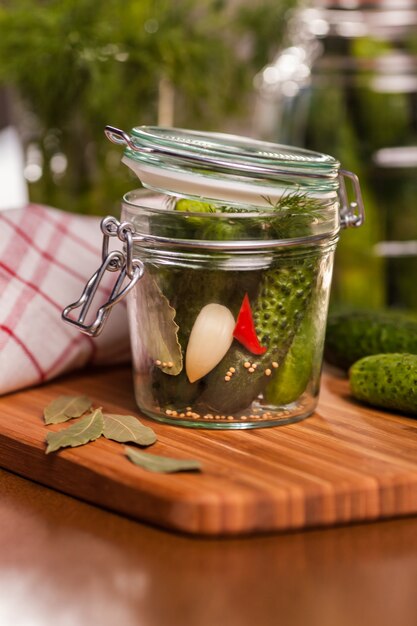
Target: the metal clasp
(118, 136)
(115, 261)
(352, 214)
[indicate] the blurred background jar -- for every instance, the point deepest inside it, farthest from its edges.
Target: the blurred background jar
(346, 83)
(64, 66)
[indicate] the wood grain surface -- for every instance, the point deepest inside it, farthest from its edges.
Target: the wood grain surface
(346, 463)
(64, 562)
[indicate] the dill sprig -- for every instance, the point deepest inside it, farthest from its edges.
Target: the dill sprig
(292, 215)
(296, 212)
(294, 201)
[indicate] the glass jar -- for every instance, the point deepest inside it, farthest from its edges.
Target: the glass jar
(346, 83)
(229, 253)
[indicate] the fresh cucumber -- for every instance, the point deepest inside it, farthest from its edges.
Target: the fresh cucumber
(386, 380)
(353, 335)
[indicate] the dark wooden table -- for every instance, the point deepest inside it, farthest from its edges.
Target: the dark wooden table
(66, 563)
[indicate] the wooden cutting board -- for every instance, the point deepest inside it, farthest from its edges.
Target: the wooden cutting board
(346, 463)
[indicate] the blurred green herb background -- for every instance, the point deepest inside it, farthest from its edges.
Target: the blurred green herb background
(69, 67)
(347, 86)
(76, 65)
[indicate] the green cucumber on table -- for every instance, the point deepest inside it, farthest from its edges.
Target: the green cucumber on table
(388, 381)
(355, 334)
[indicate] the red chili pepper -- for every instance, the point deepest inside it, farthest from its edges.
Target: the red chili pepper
(244, 330)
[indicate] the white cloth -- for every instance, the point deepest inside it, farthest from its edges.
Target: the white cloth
(46, 257)
(13, 187)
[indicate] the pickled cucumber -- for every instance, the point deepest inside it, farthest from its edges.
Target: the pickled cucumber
(290, 380)
(386, 380)
(351, 336)
(278, 311)
(280, 294)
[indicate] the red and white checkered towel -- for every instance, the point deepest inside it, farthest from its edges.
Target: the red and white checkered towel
(46, 257)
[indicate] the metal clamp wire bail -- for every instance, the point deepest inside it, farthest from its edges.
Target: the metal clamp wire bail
(112, 261)
(352, 214)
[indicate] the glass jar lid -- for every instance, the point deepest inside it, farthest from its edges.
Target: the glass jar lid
(222, 166)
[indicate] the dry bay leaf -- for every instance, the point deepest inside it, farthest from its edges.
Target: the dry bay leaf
(159, 331)
(125, 428)
(86, 429)
(65, 408)
(161, 464)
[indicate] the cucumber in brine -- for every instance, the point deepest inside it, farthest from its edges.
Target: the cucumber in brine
(290, 380)
(281, 304)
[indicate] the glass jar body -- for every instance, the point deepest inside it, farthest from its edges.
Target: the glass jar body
(267, 380)
(227, 264)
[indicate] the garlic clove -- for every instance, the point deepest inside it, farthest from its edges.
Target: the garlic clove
(210, 338)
